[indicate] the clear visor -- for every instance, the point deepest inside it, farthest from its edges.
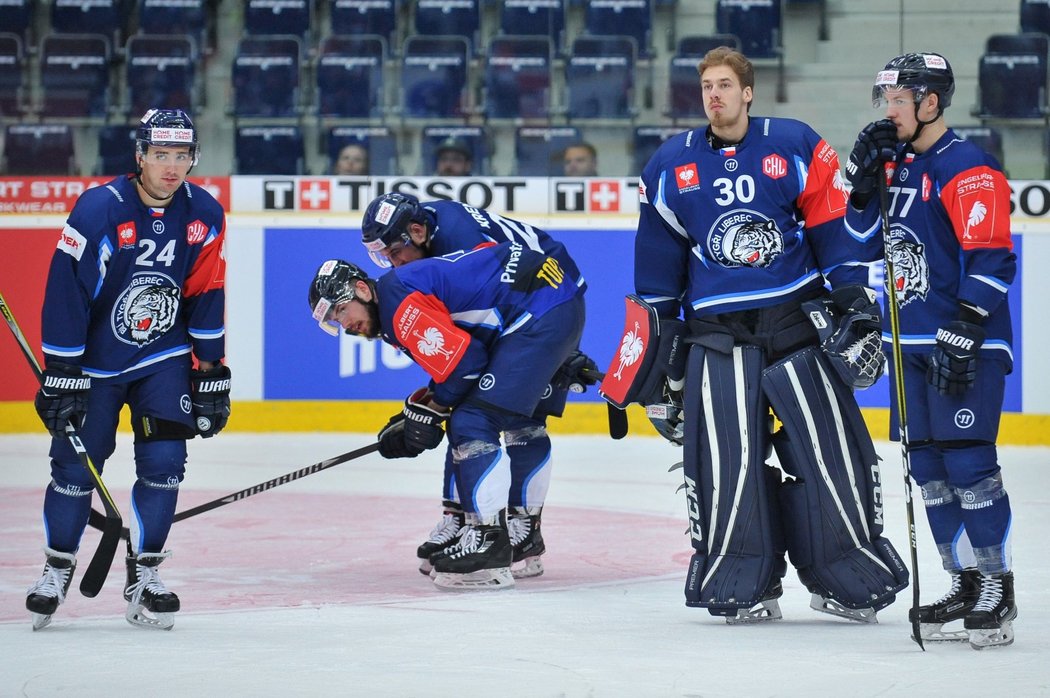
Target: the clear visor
(324, 314)
(898, 95)
(381, 253)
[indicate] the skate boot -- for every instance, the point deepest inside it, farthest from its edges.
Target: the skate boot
(480, 561)
(443, 535)
(150, 604)
(523, 525)
(44, 597)
(767, 609)
(953, 606)
(991, 622)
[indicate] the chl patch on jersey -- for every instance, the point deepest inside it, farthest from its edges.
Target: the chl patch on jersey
(744, 238)
(911, 271)
(146, 309)
(196, 232)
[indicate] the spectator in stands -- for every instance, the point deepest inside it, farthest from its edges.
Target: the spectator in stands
(352, 160)
(581, 160)
(454, 158)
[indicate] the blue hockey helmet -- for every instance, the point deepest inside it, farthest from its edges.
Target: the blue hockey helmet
(167, 127)
(386, 222)
(922, 73)
(334, 284)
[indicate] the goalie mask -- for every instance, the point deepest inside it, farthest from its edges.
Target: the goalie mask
(850, 331)
(334, 284)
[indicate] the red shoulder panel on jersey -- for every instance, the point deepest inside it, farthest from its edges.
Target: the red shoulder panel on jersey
(978, 203)
(423, 325)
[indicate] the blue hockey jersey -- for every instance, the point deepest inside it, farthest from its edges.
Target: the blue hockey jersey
(949, 211)
(446, 312)
(755, 225)
(131, 286)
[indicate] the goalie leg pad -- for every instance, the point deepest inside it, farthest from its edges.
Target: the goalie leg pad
(731, 508)
(832, 508)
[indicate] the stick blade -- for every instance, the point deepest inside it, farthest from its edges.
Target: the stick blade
(98, 569)
(617, 422)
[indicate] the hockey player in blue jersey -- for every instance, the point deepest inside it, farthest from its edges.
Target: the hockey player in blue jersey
(135, 291)
(949, 241)
(397, 229)
(491, 327)
(740, 226)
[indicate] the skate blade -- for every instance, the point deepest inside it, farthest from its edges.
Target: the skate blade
(40, 620)
(935, 632)
(138, 616)
(834, 608)
(493, 579)
(994, 637)
(425, 567)
(762, 612)
(529, 567)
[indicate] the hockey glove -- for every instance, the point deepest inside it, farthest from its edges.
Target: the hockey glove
(62, 397)
(953, 364)
(211, 399)
(416, 429)
(876, 144)
(577, 373)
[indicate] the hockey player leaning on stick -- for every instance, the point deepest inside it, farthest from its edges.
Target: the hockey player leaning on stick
(949, 237)
(740, 225)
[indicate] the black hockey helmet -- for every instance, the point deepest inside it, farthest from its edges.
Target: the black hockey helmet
(333, 284)
(386, 222)
(167, 127)
(922, 73)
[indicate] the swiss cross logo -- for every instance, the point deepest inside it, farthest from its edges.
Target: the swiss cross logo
(315, 194)
(925, 187)
(196, 232)
(126, 235)
(774, 166)
(604, 196)
(688, 177)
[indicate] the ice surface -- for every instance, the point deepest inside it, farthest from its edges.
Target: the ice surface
(311, 589)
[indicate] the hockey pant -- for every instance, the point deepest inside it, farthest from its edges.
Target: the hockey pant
(828, 514)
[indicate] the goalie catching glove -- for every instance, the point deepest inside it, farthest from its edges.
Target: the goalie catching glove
(415, 429)
(849, 327)
(211, 399)
(62, 397)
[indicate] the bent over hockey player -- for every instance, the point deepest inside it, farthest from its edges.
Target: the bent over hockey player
(491, 327)
(135, 291)
(397, 229)
(953, 261)
(740, 226)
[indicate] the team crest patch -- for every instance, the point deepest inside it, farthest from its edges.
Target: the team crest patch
(196, 232)
(126, 235)
(688, 177)
(911, 271)
(147, 308)
(745, 238)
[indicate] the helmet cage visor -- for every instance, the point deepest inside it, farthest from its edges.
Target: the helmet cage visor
(335, 291)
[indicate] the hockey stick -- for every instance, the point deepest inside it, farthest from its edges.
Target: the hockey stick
(112, 526)
(617, 418)
(96, 519)
(898, 380)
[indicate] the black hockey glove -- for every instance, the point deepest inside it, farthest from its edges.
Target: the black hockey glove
(953, 364)
(577, 373)
(876, 144)
(416, 429)
(211, 399)
(62, 397)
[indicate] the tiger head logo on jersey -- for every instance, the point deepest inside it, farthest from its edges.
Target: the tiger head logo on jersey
(745, 239)
(911, 271)
(146, 310)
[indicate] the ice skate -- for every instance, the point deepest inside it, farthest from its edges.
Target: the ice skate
(834, 608)
(953, 606)
(991, 622)
(481, 560)
(767, 608)
(442, 536)
(523, 526)
(44, 597)
(150, 604)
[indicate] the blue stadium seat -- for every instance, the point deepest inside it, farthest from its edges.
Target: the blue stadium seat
(599, 78)
(74, 75)
(474, 137)
(106, 17)
(989, 139)
(538, 150)
(380, 142)
(699, 44)
(374, 17)
(38, 149)
(350, 76)
(449, 18)
(1035, 16)
(632, 18)
(116, 150)
(646, 140)
(266, 77)
(1012, 77)
(178, 17)
(535, 18)
(13, 92)
(270, 17)
(434, 76)
(757, 23)
(160, 73)
(19, 17)
(260, 150)
(518, 78)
